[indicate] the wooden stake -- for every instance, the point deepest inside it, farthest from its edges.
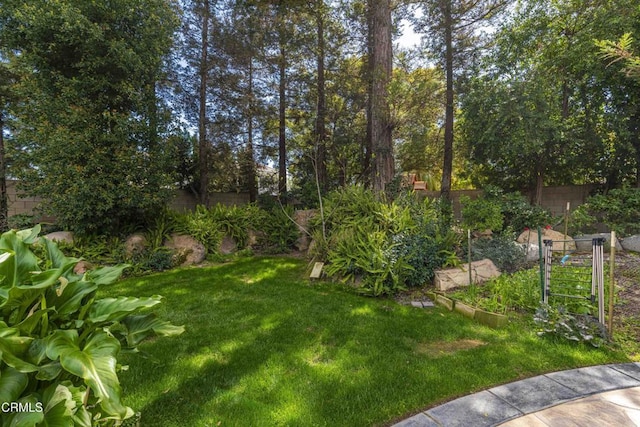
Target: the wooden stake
(612, 265)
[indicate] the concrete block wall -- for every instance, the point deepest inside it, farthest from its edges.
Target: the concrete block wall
(553, 198)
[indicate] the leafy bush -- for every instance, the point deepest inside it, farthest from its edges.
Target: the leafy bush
(59, 342)
(506, 254)
(619, 210)
(481, 214)
(21, 221)
(202, 227)
(515, 212)
(519, 214)
(558, 321)
(386, 246)
(279, 231)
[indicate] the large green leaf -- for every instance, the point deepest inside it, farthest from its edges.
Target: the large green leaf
(54, 254)
(25, 262)
(71, 298)
(106, 275)
(114, 309)
(13, 348)
(28, 325)
(95, 363)
(140, 327)
(12, 384)
(29, 236)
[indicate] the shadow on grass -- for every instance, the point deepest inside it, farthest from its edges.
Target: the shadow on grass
(263, 347)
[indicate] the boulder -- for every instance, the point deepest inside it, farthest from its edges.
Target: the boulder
(188, 248)
(82, 267)
(532, 251)
(228, 245)
(531, 237)
(302, 218)
(584, 243)
(631, 243)
(61, 237)
(481, 271)
(135, 244)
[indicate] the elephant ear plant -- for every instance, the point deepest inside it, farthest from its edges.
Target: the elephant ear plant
(59, 343)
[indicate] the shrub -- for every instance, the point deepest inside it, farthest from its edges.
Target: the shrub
(279, 231)
(20, 221)
(619, 210)
(506, 254)
(481, 214)
(519, 214)
(202, 227)
(387, 246)
(59, 342)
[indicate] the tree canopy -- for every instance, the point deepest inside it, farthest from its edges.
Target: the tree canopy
(109, 106)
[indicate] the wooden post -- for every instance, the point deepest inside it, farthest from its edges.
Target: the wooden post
(566, 229)
(612, 265)
(469, 256)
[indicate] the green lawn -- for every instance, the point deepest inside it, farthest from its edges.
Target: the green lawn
(264, 347)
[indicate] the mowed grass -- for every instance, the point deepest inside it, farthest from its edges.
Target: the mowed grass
(265, 347)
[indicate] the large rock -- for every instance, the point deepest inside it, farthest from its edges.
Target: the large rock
(631, 243)
(61, 237)
(188, 248)
(584, 243)
(532, 251)
(135, 244)
(302, 218)
(481, 271)
(228, 245)
(531, 237)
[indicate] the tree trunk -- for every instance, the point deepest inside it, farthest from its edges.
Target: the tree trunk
(320, 129)
(282, 147)
(203, 145)
(4, 200)
(447, 164)
(251, 167)
(380, 62)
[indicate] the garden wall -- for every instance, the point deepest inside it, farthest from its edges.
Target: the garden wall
(183, 201)
(554, 198)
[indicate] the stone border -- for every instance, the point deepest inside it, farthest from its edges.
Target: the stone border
(506, 402)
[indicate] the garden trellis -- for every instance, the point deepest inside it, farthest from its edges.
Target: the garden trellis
(574, 277)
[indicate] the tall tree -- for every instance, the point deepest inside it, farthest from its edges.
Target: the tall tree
(380, 61)
(6, 81)
(84, 139)
(453, 27)
(203, 72)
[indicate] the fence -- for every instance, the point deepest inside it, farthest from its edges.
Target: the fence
(553, 198)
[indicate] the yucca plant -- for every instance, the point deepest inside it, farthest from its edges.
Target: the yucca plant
(59, 343)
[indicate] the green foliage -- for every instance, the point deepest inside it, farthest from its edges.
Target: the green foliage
(481, 214)
(21, 221)
(89, 129)
(199, 225)
(510, 212)
(384, 247)
(59, 342)
(505, 253)
(619, 209)
(558, 321)
(278, 231)
(508, 292)
(517, 212)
